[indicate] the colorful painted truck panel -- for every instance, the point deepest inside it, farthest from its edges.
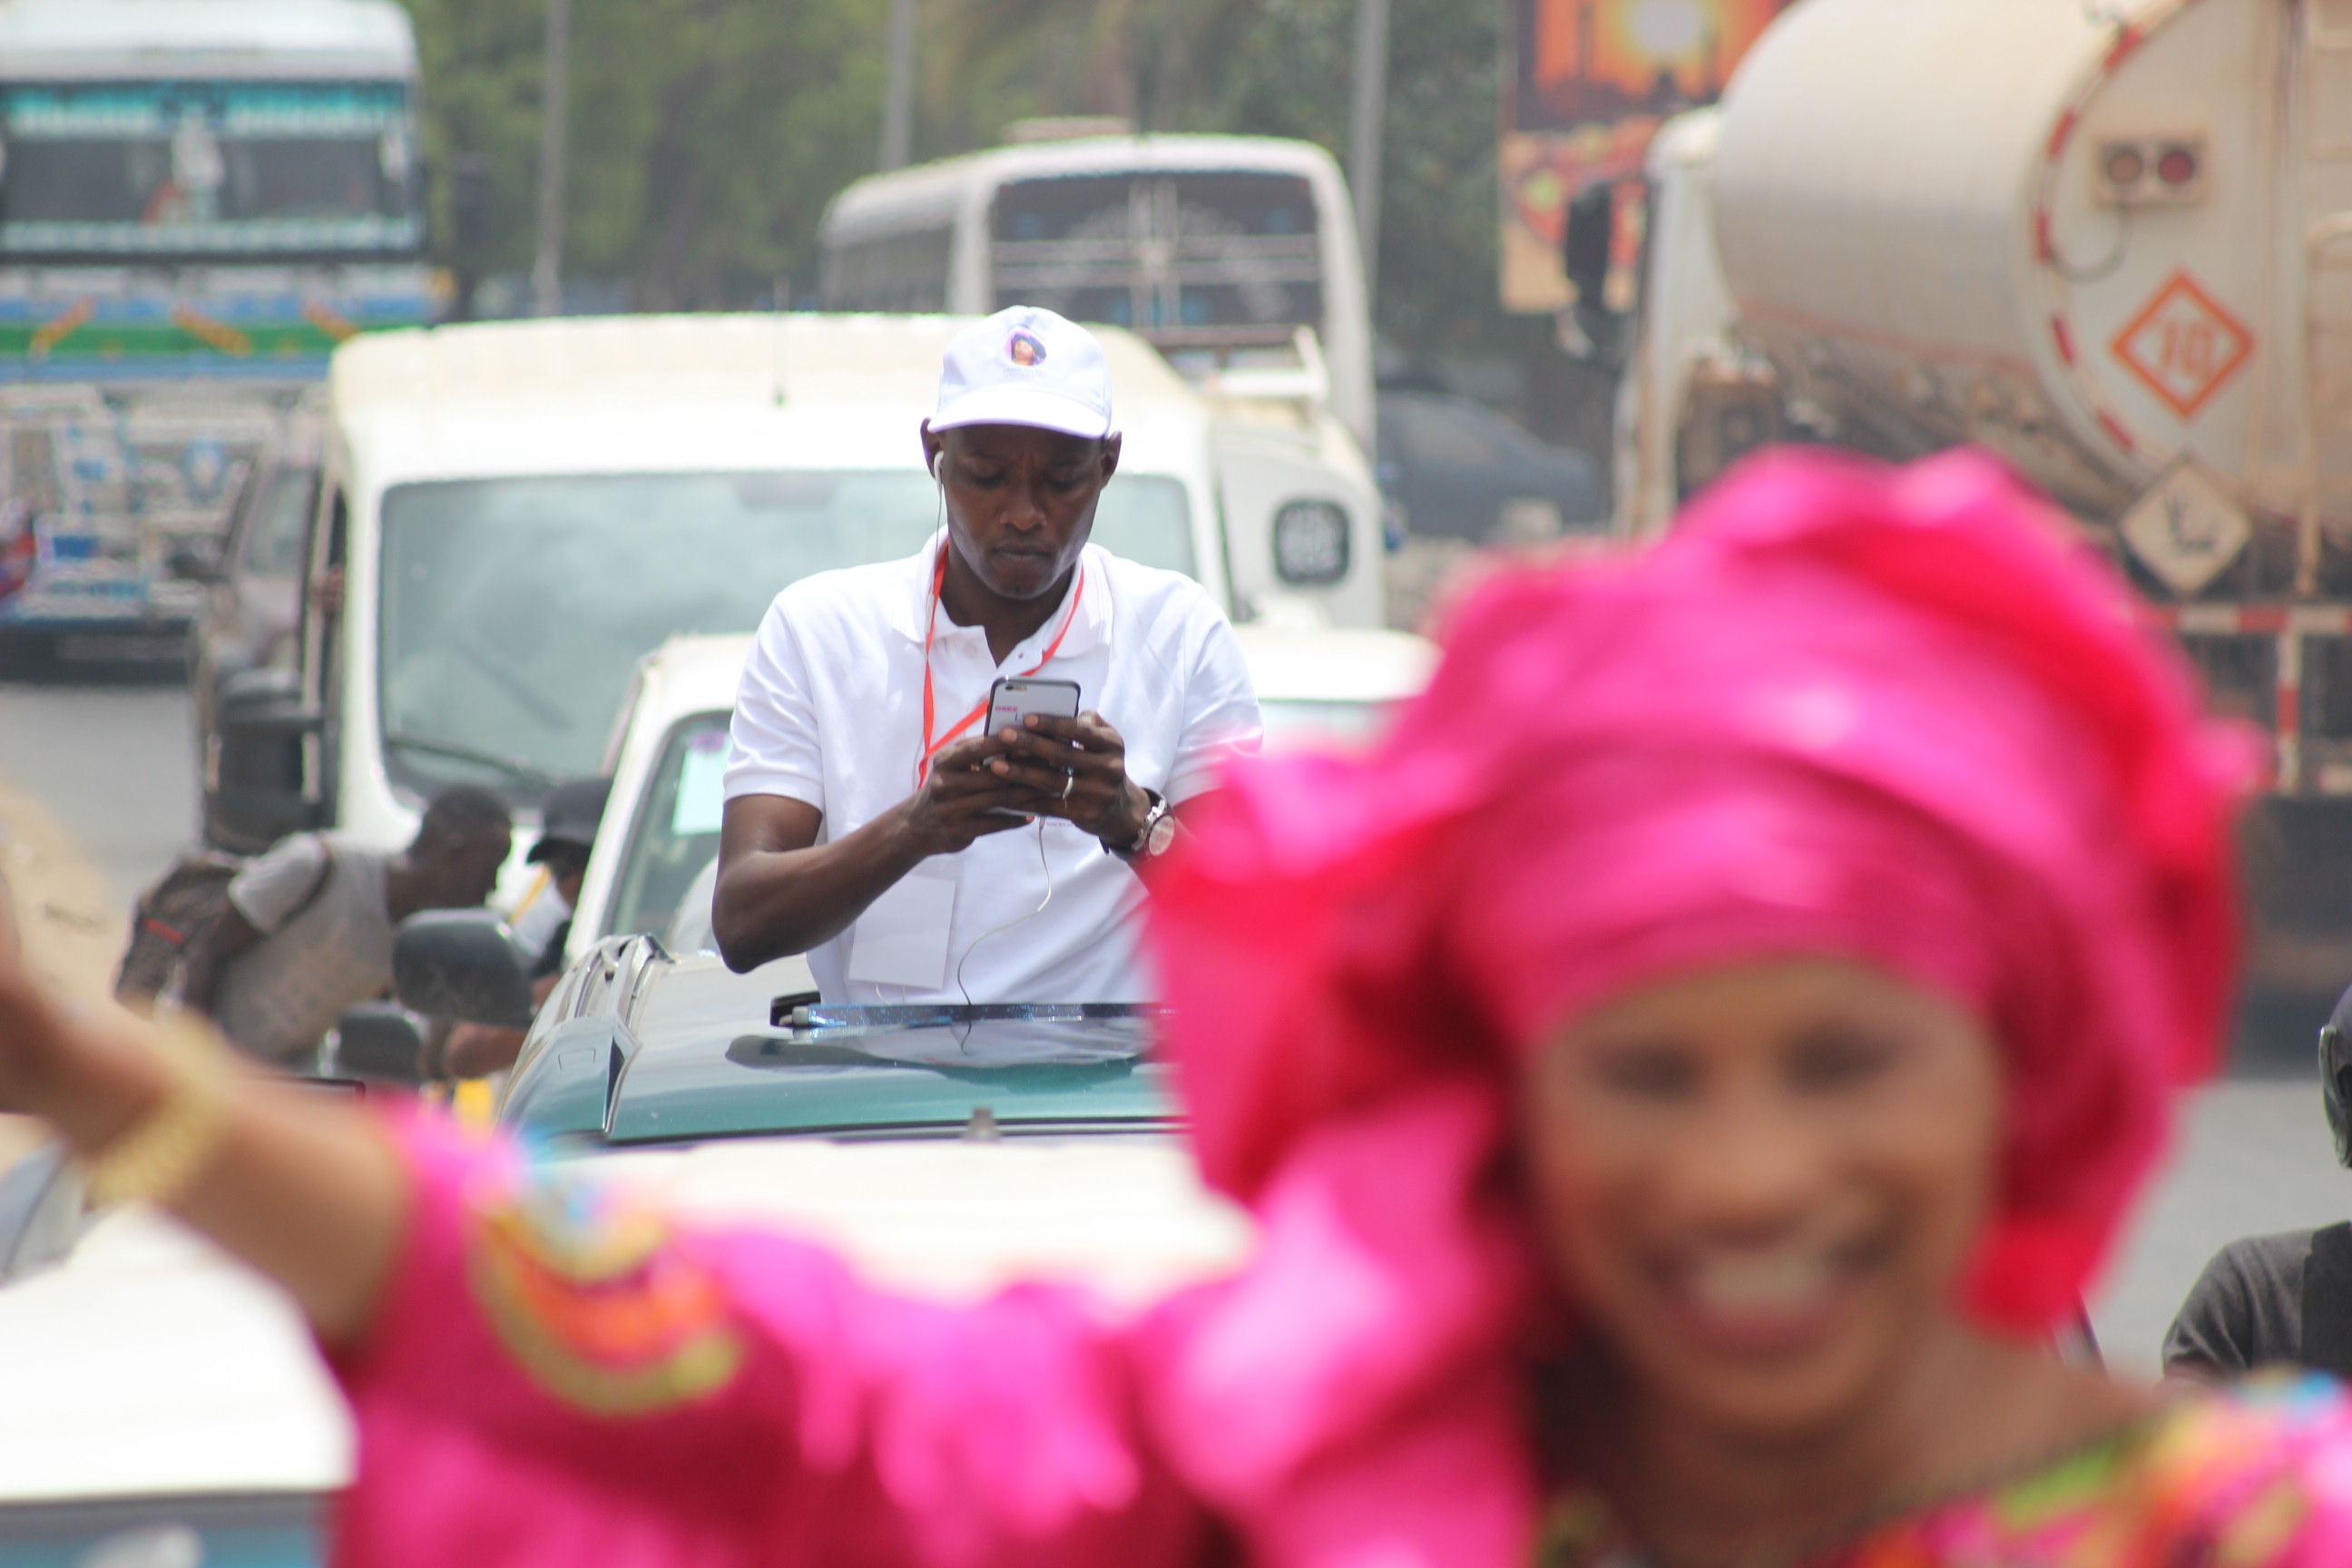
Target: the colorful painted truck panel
(197, 203)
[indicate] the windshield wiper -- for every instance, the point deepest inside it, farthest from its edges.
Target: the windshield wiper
(521, 772)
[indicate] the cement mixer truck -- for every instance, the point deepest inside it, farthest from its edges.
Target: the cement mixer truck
(2109, 239)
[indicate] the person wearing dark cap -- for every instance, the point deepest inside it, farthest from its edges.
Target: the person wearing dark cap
(542, 921)
(2286, 1298)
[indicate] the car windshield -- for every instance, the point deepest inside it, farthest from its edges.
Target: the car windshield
(515, 609)
(675, 835)
(195, 167)
(1206, 255)
(894, 1070)
(274, 541)
(673, 844)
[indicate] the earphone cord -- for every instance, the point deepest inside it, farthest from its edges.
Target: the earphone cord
(1045, 865)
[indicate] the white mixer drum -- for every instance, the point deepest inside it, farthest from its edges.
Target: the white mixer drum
(2075, 232)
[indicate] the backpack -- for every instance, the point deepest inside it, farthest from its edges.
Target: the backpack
(180, 906)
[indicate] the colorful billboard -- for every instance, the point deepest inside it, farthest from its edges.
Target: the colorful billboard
(1591, 80)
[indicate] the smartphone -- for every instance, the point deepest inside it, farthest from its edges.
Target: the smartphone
(1012, 700)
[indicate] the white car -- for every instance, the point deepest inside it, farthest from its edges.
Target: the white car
(162, 1406)
(165, 1405)
(656, 854)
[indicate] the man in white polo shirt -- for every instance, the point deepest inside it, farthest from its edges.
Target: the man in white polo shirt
(871, 824)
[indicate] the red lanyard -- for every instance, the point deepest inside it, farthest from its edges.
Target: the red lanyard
(979, 709)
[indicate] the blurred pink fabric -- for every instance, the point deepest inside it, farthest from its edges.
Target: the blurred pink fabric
(1896, 715)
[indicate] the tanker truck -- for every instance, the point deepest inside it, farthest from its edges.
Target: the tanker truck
(2110, 242)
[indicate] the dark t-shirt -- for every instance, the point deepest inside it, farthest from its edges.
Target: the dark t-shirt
(2268, 1299)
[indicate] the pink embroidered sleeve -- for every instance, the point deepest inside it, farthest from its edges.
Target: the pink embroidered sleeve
(554, 1379)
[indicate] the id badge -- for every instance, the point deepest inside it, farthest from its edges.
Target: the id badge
(902, 937)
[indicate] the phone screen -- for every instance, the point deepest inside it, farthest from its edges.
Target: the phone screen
(1012, 700)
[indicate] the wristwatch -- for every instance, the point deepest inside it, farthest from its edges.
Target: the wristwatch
(1158, 833)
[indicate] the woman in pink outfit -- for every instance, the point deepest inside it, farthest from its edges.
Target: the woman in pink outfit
(1681, 1075)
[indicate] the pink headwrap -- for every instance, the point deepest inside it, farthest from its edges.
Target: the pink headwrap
(1894, 715)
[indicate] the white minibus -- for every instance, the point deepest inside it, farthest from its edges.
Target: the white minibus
(1215, 249)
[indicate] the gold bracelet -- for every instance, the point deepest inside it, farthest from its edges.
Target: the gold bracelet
(157, 1157)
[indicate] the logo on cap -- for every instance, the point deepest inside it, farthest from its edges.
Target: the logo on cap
(1024, 350)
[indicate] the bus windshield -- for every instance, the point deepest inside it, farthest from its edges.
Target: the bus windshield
(207, 168)
(1211, 259)
(515, 609)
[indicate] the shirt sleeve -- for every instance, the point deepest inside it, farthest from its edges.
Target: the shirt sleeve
(269, 892)
(2212, 1336)
(777, 748)
(555, 1376)
(1220, 716)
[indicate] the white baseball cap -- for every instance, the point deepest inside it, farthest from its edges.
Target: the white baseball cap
(1025, 366)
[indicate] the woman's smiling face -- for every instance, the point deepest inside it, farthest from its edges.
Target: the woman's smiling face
(1760, 1184)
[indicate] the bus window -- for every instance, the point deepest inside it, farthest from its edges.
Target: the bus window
(1206, 259)
(150, 168)
(892, 272)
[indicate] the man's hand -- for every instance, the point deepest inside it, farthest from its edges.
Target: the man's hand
(1076, 769)
(780, 891)
(962, 799)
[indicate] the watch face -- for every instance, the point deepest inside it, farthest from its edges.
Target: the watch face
(1162, 833)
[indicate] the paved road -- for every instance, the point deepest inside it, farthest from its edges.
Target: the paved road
(116, 765)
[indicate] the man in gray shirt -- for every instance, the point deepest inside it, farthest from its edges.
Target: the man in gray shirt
(2282, 1299)
(309, 925)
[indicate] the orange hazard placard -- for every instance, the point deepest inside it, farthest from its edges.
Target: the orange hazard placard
(2184, 345)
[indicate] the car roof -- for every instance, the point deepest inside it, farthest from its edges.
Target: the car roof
(1335, 664)
(883, 201)
(692, 394)
(183, 39)
(685, 675)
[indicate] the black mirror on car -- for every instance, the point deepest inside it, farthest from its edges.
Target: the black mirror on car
(379, 1042)
(463, 965)
(193, 566)
(257, 787)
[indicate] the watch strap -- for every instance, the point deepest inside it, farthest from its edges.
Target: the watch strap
(1151, 819)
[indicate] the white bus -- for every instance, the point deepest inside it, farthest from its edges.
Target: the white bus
(1216, 249)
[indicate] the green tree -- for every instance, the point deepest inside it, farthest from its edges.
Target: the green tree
(1155, 62)
(1291, 75)
(707, 135)
(480, 61)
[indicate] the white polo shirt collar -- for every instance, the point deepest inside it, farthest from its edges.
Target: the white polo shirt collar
(1089, 628)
